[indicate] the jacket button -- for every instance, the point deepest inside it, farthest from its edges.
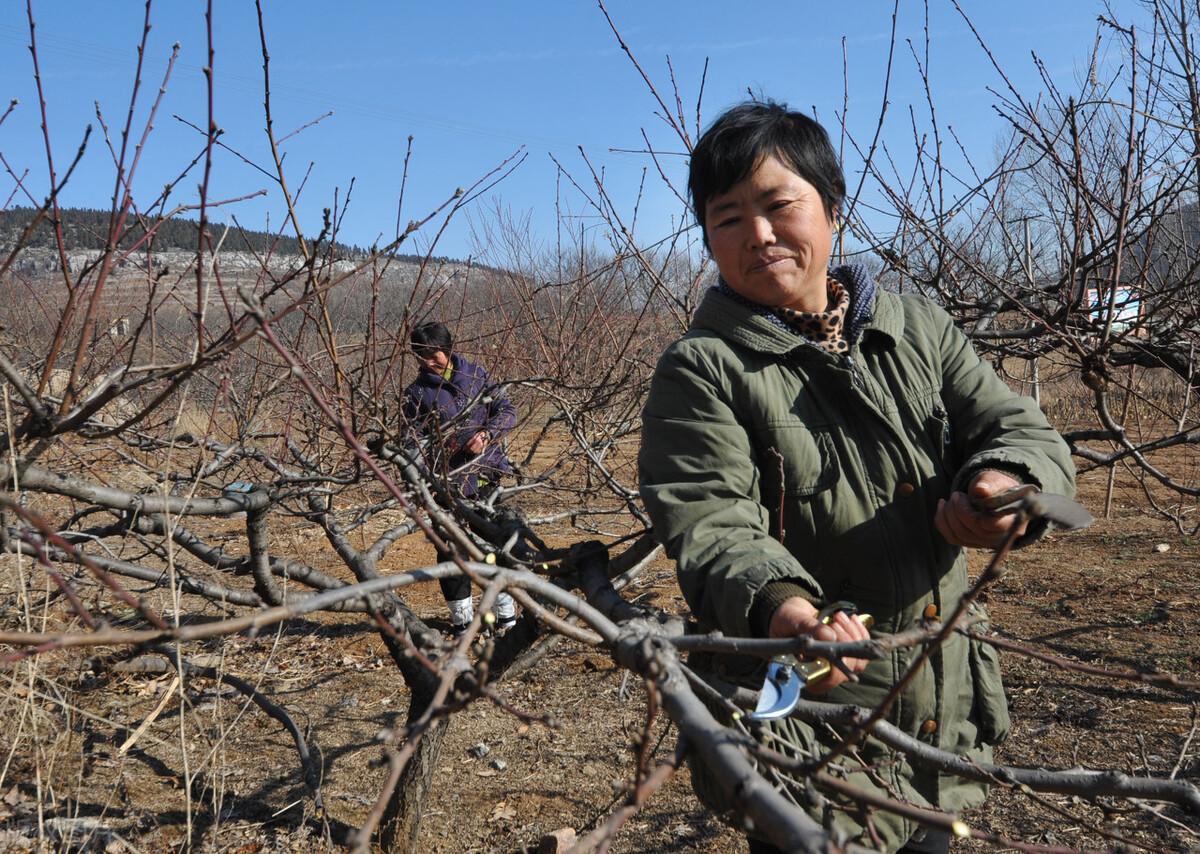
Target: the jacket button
(930, 611)
(929, 727)
(905, 489)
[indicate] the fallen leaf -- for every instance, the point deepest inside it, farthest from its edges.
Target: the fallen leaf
(153, 687)
(503, 812)
(206, 660)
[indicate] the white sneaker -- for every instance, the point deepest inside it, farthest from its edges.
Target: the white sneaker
(461, 614)
(506, 613)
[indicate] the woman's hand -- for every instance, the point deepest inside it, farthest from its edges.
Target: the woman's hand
(477, 443)
(798, 616)
(962, 525)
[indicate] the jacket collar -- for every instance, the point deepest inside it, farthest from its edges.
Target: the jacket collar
(437, 378)
(749, 325)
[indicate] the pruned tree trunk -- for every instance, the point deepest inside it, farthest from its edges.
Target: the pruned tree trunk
(402, 818)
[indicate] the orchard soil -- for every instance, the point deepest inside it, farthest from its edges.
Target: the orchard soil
(1123, 594)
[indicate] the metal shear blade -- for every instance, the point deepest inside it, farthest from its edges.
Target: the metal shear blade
(786, 679)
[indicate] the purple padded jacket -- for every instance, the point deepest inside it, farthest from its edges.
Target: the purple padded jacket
(451, 411)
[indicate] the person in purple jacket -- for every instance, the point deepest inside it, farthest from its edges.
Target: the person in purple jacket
(462, 413)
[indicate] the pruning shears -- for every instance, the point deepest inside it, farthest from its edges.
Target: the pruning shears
(1041, 507)
(787, 677)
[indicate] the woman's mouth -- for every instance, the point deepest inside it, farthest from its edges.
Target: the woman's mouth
(767, 263)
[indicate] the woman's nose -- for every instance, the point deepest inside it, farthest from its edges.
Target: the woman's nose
(760, 232)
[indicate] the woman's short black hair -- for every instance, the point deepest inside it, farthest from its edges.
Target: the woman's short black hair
(738, 140)
(430, 338)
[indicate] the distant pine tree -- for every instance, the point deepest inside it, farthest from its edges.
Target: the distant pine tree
(87, 229)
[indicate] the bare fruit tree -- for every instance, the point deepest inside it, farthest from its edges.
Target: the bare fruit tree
(1072, 258)
(204, 452)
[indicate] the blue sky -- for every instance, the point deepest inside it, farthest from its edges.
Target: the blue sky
(474, 81)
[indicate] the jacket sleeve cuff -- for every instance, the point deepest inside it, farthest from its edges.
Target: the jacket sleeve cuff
(1012, 468)
(771, 597)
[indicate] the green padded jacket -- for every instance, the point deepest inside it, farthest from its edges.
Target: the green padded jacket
(765, 458)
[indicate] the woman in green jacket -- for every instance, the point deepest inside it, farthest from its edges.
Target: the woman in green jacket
(814, 439)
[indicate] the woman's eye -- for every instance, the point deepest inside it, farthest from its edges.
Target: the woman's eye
(733, 220)
(779, 204)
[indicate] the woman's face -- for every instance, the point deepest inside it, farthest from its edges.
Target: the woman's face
(435, 362)
(771, 238)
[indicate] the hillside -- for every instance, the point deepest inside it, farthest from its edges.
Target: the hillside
(86, 230)
(243, 257)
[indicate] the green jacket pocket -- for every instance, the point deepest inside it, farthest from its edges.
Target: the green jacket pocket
(990, 709)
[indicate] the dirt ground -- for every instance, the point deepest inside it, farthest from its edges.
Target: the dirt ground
(1122, 594)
